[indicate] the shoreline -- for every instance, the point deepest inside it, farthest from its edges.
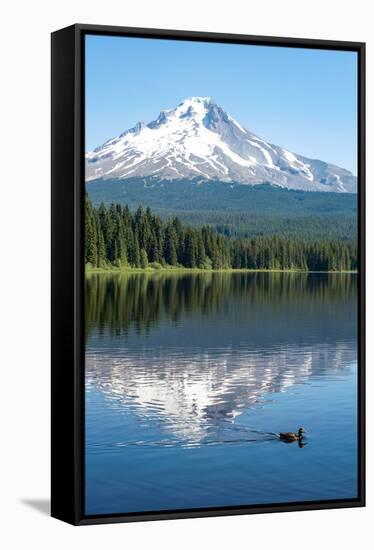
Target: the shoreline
(183, 270)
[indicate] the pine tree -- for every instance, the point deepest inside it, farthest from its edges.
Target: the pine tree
(170, 246)
(190, 249)
(101, 256)
(200, 251)
(136, 252)
(143, 259)
(90, 234)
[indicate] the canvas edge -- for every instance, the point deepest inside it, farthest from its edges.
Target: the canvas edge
(64, 404)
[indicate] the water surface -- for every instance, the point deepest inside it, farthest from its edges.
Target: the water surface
(190, 376)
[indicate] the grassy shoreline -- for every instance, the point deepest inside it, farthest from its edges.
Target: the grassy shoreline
(171, 269)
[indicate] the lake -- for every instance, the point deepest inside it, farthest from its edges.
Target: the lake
(190, 376)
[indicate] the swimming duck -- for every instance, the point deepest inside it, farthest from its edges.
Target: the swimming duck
(291, 436)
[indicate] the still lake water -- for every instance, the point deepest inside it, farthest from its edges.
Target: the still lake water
(189, 376)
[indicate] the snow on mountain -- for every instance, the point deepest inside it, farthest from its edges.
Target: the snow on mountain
(199, 140)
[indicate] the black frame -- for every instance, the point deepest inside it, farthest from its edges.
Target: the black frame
(67, 384)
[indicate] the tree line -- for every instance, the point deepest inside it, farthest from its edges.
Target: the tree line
(115, 236)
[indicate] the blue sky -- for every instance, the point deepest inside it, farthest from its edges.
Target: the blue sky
(304, 100)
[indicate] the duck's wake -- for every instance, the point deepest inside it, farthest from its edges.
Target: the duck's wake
(229, 434)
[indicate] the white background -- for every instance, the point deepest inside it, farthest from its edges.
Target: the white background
(25, 272)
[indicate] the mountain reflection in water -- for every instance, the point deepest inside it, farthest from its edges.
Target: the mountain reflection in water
(187, 354)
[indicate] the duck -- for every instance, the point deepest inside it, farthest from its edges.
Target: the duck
(291, 436)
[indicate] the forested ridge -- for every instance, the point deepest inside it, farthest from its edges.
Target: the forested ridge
(116, 236)
(245, 211)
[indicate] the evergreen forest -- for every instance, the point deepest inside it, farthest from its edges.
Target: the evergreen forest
(117, 237)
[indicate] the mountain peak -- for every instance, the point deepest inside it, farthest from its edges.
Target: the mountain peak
(198, 139)
(197, 100)
(194, 106)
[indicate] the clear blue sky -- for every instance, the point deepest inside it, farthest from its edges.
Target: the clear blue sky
(304, 100)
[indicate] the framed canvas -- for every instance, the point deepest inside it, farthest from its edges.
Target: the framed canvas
(208, 196)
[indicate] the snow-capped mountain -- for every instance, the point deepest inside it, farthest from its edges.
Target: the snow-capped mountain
(198, 140)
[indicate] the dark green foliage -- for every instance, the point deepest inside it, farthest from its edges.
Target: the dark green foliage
(90, 234)
(238, 210)
(171, 245)
(143, 259)
(115, 236)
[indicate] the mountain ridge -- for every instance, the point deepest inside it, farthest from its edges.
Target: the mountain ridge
(198, 140)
